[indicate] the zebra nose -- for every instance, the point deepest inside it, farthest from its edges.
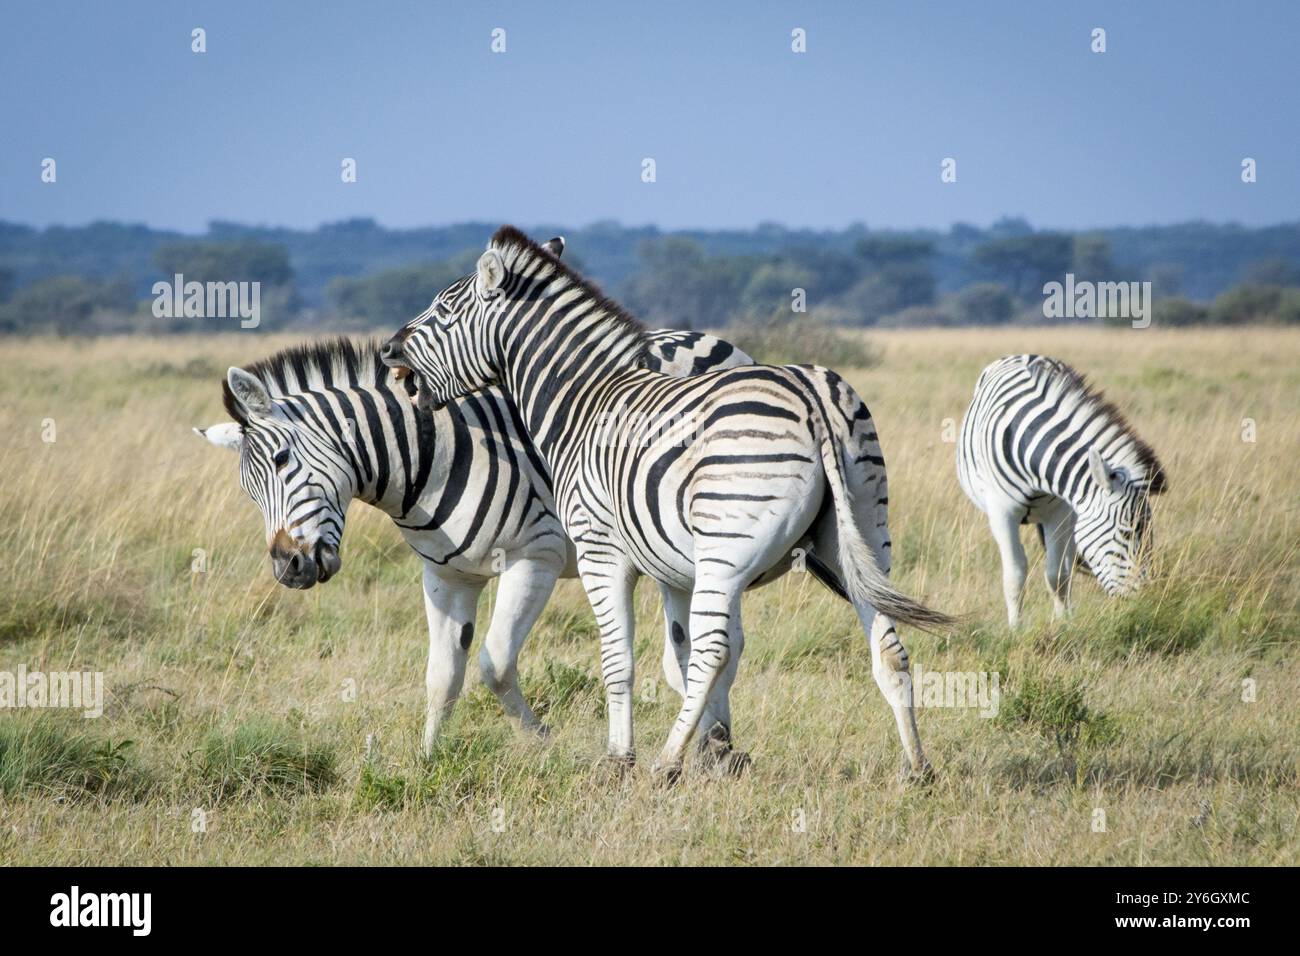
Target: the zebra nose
(391, 351)
(291, 567)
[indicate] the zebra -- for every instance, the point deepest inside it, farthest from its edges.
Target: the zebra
(751, 465)
(1040, 445)
(317, 426)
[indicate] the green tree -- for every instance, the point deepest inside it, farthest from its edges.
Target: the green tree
(238, 260)
(831, 271)
(1092, 260)
(1273, 271)
(897, 276)
(771, 286)
(1166, 279)
(984, 303)
(890, 290)
(1025, 263)
(67, 305)
(234, 260)
(881, 252)
(1175, 312)
(1256, 303)
(389, 298)
(680, 286)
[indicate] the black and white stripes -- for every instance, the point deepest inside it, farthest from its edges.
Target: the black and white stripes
(746, 466)
(1039, 445)
(320, 425)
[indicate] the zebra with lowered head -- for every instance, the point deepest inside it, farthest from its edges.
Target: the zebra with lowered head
(746, 466)
(321, 425)
(1040, 445)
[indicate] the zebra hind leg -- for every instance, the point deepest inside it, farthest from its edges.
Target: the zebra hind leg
(890, 668)
(716, 642)
(677, 647)
(1058, 542)
(523, 591)
(715, 744)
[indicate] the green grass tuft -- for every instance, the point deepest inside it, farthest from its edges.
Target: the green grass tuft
(562, 687)
(48, 754)
(265, 756)
(1054, 707)
(794, 339)
(1174, 620)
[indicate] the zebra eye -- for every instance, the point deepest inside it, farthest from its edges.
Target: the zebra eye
(281, 458)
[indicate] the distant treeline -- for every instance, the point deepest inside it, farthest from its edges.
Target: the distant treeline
(100, 278)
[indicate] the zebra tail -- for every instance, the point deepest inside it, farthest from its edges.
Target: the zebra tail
(863, 578)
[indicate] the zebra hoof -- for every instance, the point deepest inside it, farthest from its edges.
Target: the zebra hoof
(618, 766)
(920, 777)
(668, 775)
(734, 763)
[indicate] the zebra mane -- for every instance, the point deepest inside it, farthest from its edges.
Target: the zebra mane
(519, 251)
(309, 366)
(1073, 382)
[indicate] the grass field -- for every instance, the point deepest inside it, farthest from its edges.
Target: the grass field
(231, 733)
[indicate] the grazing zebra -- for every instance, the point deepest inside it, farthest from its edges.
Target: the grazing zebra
(320, 425)
(1039, 444)
(746, 466)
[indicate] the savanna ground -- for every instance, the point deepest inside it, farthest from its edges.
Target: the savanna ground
(231, 696)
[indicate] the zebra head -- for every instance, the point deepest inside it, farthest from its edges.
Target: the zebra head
(1113, 525)
(300, 481)
(443, 349)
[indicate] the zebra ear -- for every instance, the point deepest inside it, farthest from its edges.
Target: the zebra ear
(1102, 475)
(491, 273)
(223, 435)
(248, 391)
(554, 246)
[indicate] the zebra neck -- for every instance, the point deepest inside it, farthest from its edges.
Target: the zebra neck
(1065, 473)
(388, 459)
(555, 359)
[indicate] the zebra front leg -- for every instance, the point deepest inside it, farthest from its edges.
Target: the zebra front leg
(525, 586)
(716, 638)
(609, 589)
(450, 608)
(1006, 532)
(1058, 566)
(716, 741)
(890, 668)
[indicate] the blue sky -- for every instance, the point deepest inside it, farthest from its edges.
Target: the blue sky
(742, 130)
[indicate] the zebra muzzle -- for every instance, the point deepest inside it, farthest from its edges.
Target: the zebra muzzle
(295, 567)
(328, 562)
(406, 379)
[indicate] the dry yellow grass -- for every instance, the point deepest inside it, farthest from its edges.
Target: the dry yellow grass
(222, 680)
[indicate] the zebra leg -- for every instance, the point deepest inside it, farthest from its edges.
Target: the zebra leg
(716, 638)
(716, 742)
(677, 622)
(890, 668)
(1058, 540)
(1006, 531)
(610, 592)
(524, 589)
(450, 608)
